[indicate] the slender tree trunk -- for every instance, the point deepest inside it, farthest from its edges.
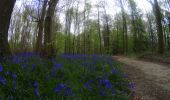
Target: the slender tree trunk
(151, 32)
(99, 32)
(84, 36)
(159, 27)
(6, 8)
(40, 28)
(117, 47)
(125, 37)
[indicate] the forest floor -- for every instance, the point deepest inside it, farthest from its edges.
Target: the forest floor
(152, 79)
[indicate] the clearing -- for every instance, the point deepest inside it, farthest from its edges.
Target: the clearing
(152, 80)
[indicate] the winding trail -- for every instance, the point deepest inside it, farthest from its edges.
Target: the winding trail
(152, 80)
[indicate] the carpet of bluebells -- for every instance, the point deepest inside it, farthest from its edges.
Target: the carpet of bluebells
(84, 77)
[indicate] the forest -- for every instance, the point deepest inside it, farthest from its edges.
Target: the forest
(68, 49)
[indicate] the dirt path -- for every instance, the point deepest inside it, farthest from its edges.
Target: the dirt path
(152, 80)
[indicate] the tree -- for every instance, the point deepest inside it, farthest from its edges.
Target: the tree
(99, 31)
(6, 8)
(48, 42)
(158, 16)
(125, 37)
(137, 27)
(40, 27)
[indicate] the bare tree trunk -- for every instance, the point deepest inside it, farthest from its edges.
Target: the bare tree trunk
(125, 37)
(151, 32)
(84, 36)
(159, 27)
(40, 28)
(6, 8)
(99, 32)
(48, 50)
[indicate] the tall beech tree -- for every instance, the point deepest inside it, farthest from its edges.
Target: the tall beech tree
(158, 16)
(48, 28)
(6, 8)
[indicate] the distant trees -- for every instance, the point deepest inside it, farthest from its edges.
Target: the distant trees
(6, 8)
(84, 31)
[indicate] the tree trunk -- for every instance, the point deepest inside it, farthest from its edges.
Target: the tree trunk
(99, 32)
(6, 8)
(159, 27)
(40, 28)
(48, 43)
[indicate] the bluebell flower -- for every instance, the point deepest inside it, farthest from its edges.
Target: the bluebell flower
(35, 85)
(1, 68)
(59, 88)
(106, 83)
(37, 94)
(114, 71)
(16, 60)
(14, 85)
(88, 86)
(7, 73)
(68, 91)
(113, 92)
(33, 66)
(3, 81)
(14, 76)
(58, 66)
(55, 67)
(53, 72)
(11, 97)
(24, 66)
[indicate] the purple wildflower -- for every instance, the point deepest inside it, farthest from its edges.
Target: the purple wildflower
(106, 83)
(68, 91)
(7, 73)
(14, 76)
(3, 81)
(35, 85)
(1, 68)
(88, 86)
(113, 92)
(114, 71)
(14, 85)
(57, 66)
(37, 94)
(59, 88)
(33, 66)
(11, 97)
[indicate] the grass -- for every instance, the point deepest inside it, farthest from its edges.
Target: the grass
(73, 77)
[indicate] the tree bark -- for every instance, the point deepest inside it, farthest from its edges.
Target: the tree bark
(159, 27)
(40, 28)
(48, 42)
(99, 32)
(6, 8)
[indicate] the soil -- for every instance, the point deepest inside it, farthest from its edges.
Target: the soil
(152, 80)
